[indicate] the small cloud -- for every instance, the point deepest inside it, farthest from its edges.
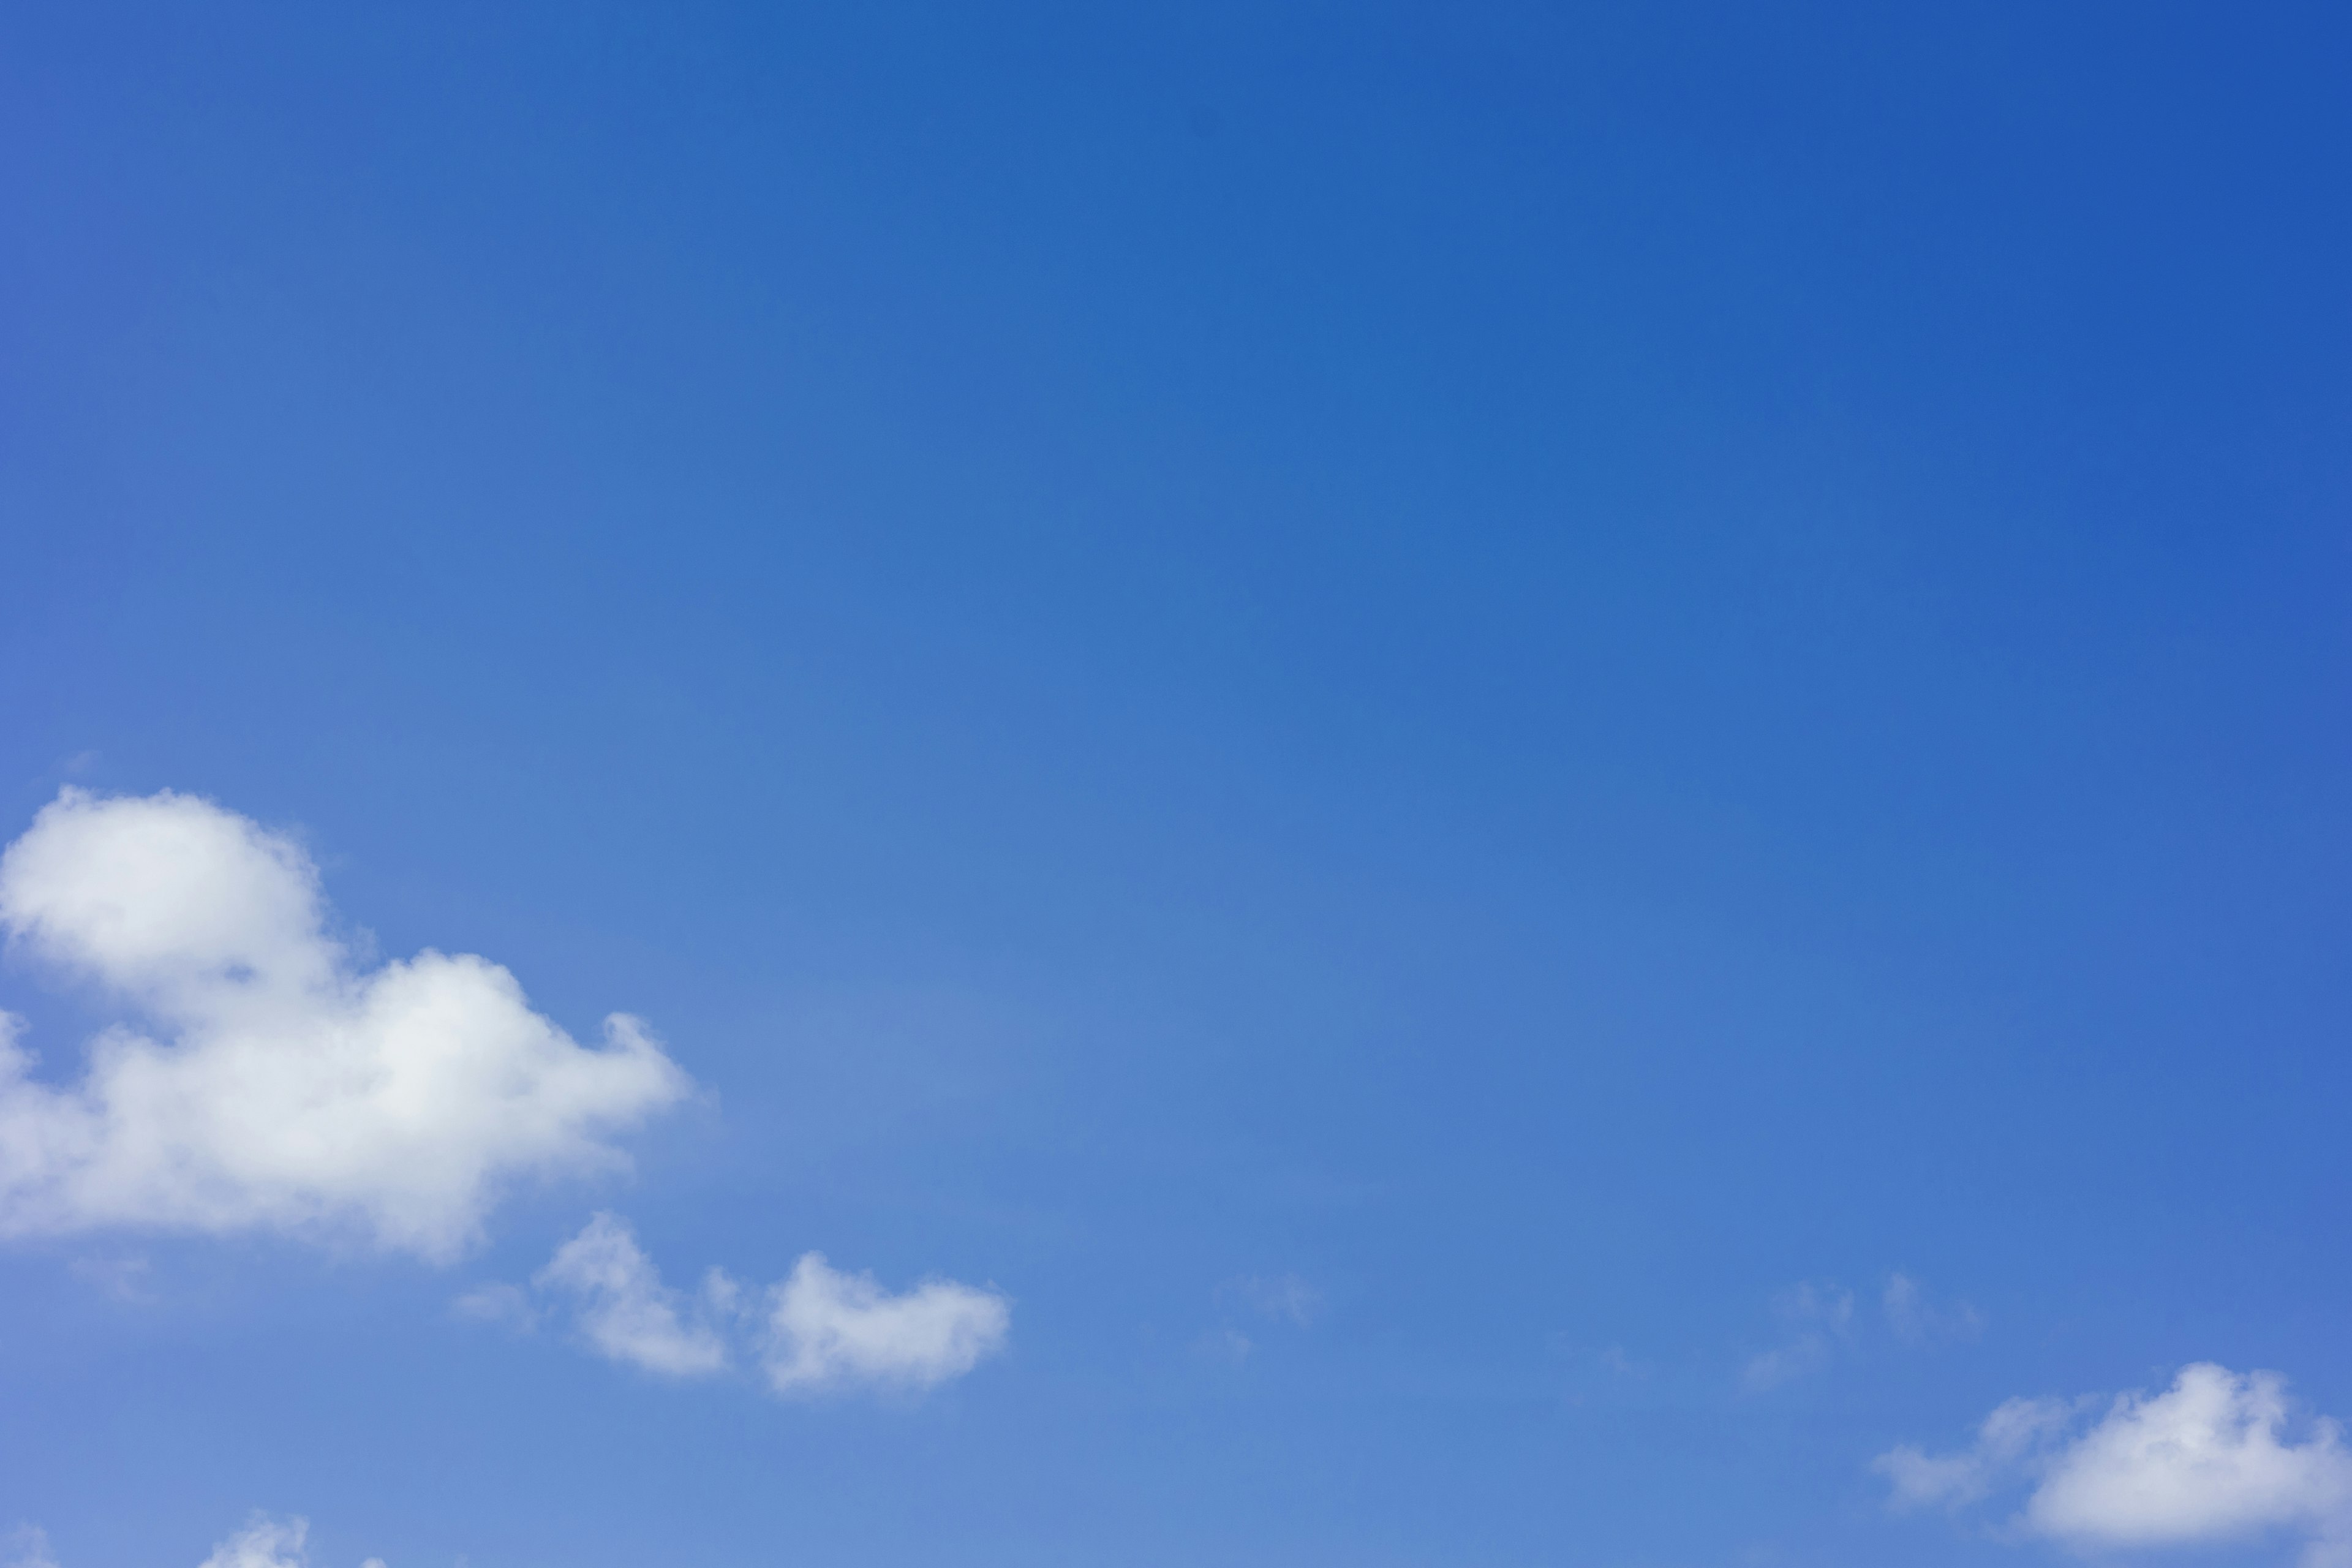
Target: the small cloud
(624, 1312)
(1831, 1305)
(266, 1542)
(830, 1330)
(1227, 1347)
(1785, 1363)
(2012, 1435)
(27, 1547)
(2217, 1457)
(1282, 1298)
(821, 1329)
(1817, 1317)
(1915, 1321)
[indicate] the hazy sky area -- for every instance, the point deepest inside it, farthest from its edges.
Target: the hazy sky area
(1175, 786)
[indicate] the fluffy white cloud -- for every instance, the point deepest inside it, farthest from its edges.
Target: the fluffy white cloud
(818, 1331)
(625, 1312)
(830, 1330)
(2203, 1461)
(262, 1079)
(2215, 1457)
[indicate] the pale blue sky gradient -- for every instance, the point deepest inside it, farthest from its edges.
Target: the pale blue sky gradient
(1553, 668)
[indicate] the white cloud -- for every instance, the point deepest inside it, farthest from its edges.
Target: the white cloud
(626, 1313)
(2009, 1437)
(830, 1330)
(265, 1542)
(2213, 1459)
(818, 1331)
(262, 1079)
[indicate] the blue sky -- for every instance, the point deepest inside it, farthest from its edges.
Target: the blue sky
(1518, 785)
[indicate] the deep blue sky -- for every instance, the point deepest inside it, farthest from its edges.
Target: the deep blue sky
(1553, 667)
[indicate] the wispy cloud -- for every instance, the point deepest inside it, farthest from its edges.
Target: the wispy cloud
(2219, 1457)
(1917, 1320)
(1816, 1317)
(1250, 1304)
(27, 1547)
(120, 1279)
(264, 1542)
(260, 1079)
(501, 1305)
(819, 1331)
(1821, 1322)
(626, 1313)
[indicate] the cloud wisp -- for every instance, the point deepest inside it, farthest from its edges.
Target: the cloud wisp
(1917, 1320)
(820, 1330)
(1284, 1301)
(261, 1079)
(1819, 1322)
(27, 1547)
(626, 1313)
(1817, 1317)
(2218, 1458)
(264, 1542)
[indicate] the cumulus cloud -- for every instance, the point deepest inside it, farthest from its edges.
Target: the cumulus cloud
(2217, 1457)
(626, 1313)
(829, 1330)
(818, 1331)
(261, 1079)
